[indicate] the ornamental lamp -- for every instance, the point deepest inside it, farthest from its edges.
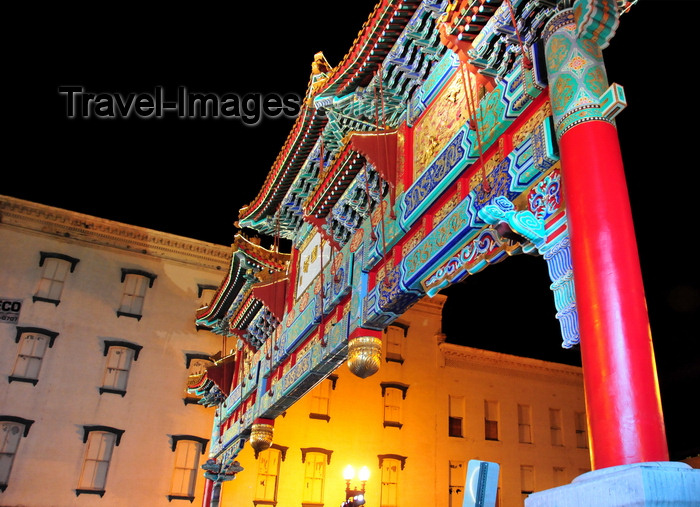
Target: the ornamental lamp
(261, 434)
(364, 355)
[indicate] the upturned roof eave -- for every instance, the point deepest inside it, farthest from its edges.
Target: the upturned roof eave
(388, 19)
(244, 252)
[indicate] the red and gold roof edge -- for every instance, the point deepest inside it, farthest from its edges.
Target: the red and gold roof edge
(298, 145)
(365, 42)
(283, 170)
(242, 309)
(318, 204)
(269, 258)
(205, 314)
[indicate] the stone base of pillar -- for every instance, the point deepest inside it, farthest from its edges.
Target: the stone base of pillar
(640, 484)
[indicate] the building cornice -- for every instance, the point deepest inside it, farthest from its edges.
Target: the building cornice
(78, 227)
(471, 358)
(430, 305)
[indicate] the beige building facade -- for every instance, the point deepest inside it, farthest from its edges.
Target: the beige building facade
(417, 422)
(97, 341)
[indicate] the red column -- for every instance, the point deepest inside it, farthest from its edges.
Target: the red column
(208, 488)
(622, 394)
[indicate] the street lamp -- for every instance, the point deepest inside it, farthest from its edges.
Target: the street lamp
(355, 497)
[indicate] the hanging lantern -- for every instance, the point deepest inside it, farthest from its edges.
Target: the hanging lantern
(364, 355)
(261, 434)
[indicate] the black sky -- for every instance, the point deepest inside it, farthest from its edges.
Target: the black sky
(190, 177)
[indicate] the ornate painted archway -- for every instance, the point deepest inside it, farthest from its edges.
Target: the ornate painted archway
(432, 150)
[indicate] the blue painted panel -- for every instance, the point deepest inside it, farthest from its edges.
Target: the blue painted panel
(442, 172)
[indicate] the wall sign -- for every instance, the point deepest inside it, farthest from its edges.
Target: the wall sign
(9, 310)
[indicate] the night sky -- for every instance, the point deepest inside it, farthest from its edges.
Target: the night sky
(191, 176)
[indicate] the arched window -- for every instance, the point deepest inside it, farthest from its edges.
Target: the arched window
(456, 416)
(524, 424)
(555, 427)
(395, 338)
(187, 449)
(527, 481)
(100, 442)
(315, 461)
(120, 356)
(135, 284)
(458, 472)
(491, 413)
(393, 393)
(32, 345)
(56, 268)
(12, 429)
(320, 398)
(391, 466)
(268, 475)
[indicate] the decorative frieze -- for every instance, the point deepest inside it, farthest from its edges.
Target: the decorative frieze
(97, 231)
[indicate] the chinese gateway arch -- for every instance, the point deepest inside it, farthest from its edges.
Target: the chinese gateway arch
(451, 136)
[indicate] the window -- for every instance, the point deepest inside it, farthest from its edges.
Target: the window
(455, 426)
(56, 268)
(395, 337)
(12, 429)
(268, 474)
(187, 449)
(33, 343)
(457, 481)
(393, 394)
(456, 416)
(390, 482)
(320, 399)
(119, 358)
(135, 285)
(581, 430)
(527, 480)
(491, 420)
(524, 424)
(559, 476)
(100, 441)
(315, 461)
(555, 426)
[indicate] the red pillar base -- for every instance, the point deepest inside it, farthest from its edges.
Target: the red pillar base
(641, 484)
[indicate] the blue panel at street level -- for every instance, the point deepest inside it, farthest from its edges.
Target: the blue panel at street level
(481, 485)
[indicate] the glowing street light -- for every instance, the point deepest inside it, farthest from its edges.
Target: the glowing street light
(354, 497)
(348, 474)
